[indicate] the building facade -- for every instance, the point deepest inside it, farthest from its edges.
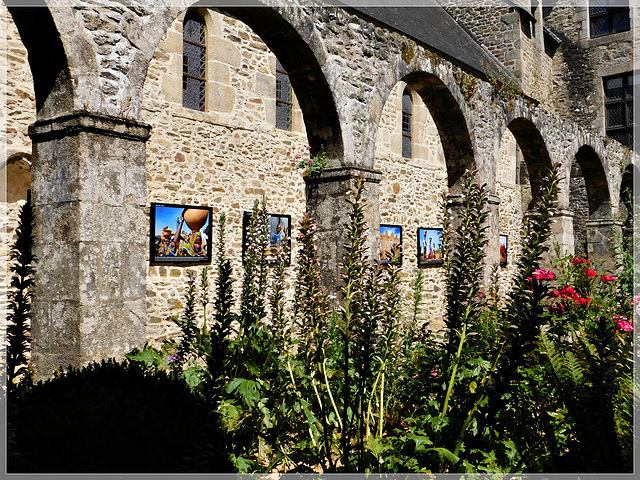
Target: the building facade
(120, 107)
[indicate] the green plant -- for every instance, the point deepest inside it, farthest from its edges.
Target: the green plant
(312, 165)
(112, 417)
(20, 296)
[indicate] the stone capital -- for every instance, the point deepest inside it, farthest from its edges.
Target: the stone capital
(341, 174)
(82, 121)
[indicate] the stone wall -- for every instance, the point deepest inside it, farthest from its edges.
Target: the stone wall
(231, 154)
(511, 208)
(517, 42)
(226, 157)
(581, 62)
(410, 191)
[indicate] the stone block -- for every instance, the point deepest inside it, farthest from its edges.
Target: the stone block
(172, 87)
(89, 274)
(226, 52)
(65, 322)
(220, 72)
(101, 180)
(41, 326)
(110, 271)
(221, 98)
(134, 278)
(265, 85)
(57, 277)
(57, 223)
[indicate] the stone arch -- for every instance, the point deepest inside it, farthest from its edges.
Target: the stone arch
(595, 180)
(450, 121)
(534, 152)
(18, 175)
(52, 83)
(410, 188)
(290, 39)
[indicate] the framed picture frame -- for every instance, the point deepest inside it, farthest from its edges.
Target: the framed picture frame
(390, 235)
(429, 242)
(504, 250)
(179, 234)
(279, 227)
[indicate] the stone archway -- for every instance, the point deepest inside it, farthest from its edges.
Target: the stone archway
(232, 152)
(449, 120)
(590, 200)
(89, 64)
(534, 153)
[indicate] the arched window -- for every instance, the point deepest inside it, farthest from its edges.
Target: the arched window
(193, 61)
(284, 98)
(406, 124)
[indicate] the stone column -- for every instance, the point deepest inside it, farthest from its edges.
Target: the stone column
(601, 237)
(327, 196)
(89, 193)
(562, 231)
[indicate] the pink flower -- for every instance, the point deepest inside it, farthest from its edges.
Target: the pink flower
(554, 293)
(296, 156)
(624, 325)
(310, 161)
(541, 274)
(288, 153)
(578, 260)
(608, 278)
(414, 376)
(481, 295)
(308, 147)
(583, 301)
(590, 273)
(434, 373)
(557, 309)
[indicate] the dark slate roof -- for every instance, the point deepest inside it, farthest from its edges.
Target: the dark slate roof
(434, 28)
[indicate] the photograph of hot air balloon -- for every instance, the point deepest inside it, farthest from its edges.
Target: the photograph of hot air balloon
(180, 233)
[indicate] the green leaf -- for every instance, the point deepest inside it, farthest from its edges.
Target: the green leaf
(444, 453)
(193, 376)
(421, 442)
(248, 390)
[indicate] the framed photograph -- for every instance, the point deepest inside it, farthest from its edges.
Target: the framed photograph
(504, 243)
(279, 236)
(429, 246)
(180, 234)
(390, 235)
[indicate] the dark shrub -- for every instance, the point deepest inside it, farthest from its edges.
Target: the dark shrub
(112, 417)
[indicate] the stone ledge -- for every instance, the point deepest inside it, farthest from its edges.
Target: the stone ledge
(339, 174)
(77, 122)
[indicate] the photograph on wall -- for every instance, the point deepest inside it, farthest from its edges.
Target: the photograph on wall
(503, 250)
(279, 235)
(390, 235)
(429, 246)
(180, 233)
